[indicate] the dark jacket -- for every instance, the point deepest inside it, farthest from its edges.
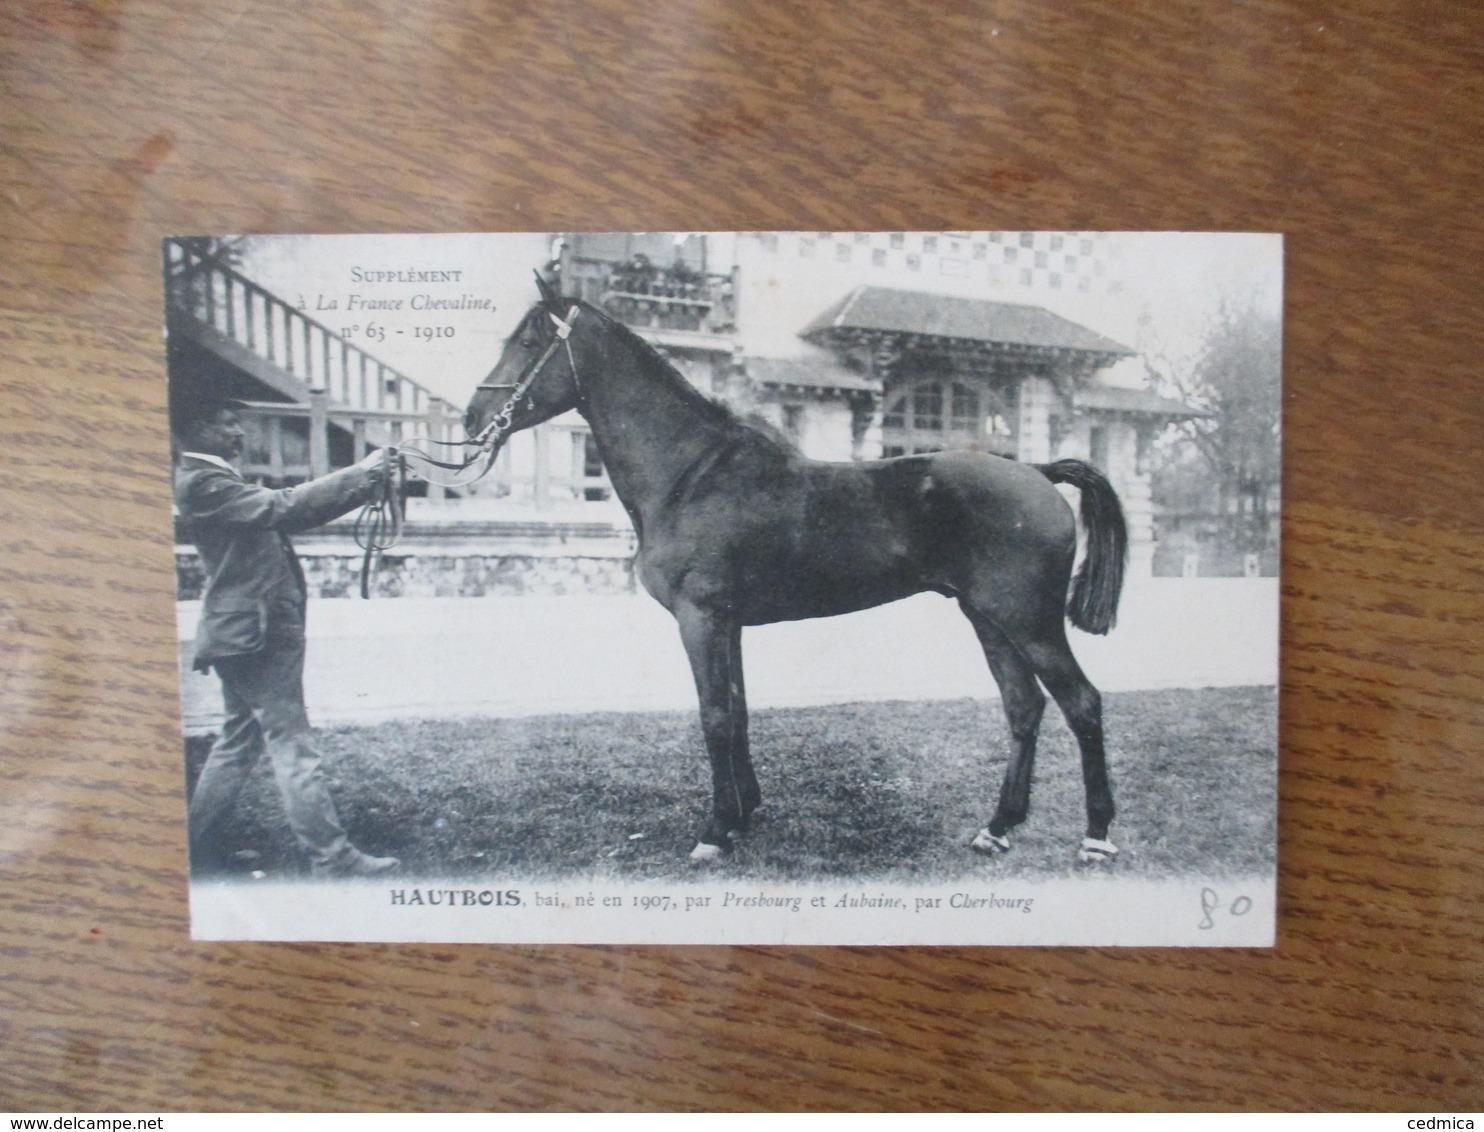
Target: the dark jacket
(241, 531)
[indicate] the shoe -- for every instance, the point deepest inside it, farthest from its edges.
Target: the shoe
(355, 864)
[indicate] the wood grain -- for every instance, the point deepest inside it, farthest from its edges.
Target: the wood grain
(1356, 130)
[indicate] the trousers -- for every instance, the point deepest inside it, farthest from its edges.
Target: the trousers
(263, 693)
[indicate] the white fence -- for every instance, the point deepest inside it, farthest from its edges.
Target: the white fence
(450, 657)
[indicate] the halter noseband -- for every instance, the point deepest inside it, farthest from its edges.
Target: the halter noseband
(380, 522)
(499, 424)
(493, 434)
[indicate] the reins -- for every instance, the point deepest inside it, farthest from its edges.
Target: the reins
(501, 420)
(378, 526)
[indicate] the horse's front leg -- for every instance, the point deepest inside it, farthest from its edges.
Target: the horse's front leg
(714, 645)
(752, 795)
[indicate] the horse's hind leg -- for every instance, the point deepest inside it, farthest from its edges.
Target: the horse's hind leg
(1024, 705)
(1051, 657)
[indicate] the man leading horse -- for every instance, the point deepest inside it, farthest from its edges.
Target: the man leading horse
(252, 632)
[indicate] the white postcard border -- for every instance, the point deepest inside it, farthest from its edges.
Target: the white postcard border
(1095, 911)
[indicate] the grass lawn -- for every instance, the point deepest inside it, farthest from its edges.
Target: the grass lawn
(888, 791)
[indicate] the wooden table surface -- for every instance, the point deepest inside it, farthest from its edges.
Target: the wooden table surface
(1354, 129)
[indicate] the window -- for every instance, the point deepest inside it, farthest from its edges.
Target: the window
(1027, 239)
(1097, 448)
(930, 243)
(793, 420)
(927, 408)
(898, 240)
(965, 416)
(878, 257)
(930, 415)
(592, 463)
(592, 483)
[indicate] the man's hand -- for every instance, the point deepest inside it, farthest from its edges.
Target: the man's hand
(377, 462)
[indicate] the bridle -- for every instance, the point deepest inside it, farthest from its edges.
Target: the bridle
(500, 422)
(487, 443)
(379, 524)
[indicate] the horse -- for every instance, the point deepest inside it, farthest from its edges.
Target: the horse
(735, 527)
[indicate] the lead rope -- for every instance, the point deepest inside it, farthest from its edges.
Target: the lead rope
(493, 433)
(379, 523)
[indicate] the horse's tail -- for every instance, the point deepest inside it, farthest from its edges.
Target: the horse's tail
(1093, 605)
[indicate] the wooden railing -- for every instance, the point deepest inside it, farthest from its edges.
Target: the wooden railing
(348, 401)
(555, 465)
(279, 451)
(339, 383)
(263, 324)
(655, 298)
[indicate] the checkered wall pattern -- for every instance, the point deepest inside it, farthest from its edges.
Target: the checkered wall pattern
(1079, 262)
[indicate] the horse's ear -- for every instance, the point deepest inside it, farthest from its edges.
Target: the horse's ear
(549, 294)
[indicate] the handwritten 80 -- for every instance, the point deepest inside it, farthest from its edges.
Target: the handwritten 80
(1211, 903)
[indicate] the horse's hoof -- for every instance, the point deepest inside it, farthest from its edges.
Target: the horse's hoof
(990, 844)
(705, 854)
(1095, 852)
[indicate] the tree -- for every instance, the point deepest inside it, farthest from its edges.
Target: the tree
(1234, 378)
(188, 274)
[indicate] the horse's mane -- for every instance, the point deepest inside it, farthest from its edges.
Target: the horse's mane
(716, 412)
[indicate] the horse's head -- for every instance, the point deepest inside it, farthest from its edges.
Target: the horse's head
(535, 369)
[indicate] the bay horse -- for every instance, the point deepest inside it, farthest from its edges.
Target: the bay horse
(735, 527)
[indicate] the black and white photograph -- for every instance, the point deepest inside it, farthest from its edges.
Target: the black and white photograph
(729, 587)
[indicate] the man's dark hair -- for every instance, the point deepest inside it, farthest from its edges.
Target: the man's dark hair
(187, 414)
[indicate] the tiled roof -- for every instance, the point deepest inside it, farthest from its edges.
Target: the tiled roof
(886, 310)
(809, 373)
(1113, 398)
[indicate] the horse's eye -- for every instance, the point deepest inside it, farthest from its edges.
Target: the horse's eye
(527, 343)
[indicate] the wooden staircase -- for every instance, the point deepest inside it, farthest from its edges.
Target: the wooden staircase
(316, 401)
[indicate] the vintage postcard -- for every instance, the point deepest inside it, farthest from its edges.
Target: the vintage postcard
(729, 587)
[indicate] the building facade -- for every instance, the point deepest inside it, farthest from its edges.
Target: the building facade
(857, 346)
(876, 344)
